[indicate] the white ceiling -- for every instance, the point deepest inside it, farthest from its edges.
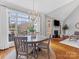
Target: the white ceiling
(65, 11)
(44, 6)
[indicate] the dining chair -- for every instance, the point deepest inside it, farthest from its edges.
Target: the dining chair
(45, 45)
(21, 46)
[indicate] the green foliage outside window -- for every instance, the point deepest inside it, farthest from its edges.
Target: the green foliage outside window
(31, 29)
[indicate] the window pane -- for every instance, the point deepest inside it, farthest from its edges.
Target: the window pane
(22, 15)
(12, 28)
(11, 14)
(18, 23)
(22, 26)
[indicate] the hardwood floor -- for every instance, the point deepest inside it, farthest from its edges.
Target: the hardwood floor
(6, 54)
(60, 50)
(64, 51)
(11, 54)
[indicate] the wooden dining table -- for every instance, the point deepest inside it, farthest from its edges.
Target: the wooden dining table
(35, 40)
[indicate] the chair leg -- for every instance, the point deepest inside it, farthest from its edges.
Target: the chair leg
(48, 53)
(16, 56)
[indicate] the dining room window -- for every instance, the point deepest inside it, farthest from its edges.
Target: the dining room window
(18, 23)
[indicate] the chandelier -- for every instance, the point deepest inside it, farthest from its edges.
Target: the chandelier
(34, 13)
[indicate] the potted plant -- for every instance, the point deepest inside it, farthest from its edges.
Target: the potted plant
(65, 27)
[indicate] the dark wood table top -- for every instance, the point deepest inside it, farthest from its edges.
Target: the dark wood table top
(35, 38)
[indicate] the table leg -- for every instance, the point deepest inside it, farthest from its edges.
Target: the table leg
(35, 52)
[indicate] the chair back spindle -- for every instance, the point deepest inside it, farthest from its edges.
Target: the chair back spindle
(21, 46)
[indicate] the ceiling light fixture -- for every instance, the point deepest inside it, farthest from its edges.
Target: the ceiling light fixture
(34, 13)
